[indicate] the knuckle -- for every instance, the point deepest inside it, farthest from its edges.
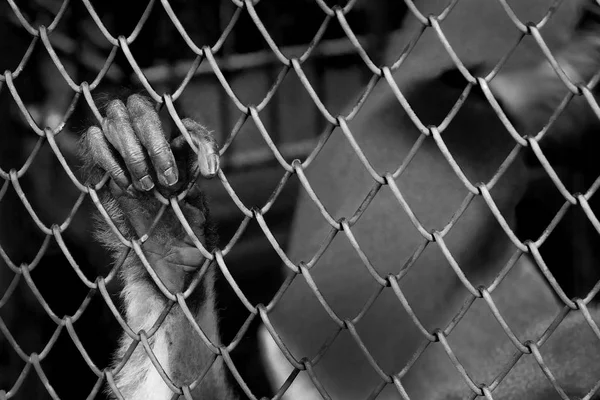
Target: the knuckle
(94, 143)
(210, 145)
(139, 105)
(117, 173)
(94, 135)
(146, 122)
(195, 127)
(111, 132)
(94, 132)
(137, 162)
(160, 148)
(115, 109)
(200, 134)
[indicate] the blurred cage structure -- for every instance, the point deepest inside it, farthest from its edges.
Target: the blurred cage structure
(52, 326)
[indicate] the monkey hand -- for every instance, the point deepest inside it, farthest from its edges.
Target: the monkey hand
(133, 148)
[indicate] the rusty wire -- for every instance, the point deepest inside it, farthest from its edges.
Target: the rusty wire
(205, 58)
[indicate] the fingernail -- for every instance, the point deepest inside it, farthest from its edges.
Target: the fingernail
(170, 176)
(146, 183)
(213, 164)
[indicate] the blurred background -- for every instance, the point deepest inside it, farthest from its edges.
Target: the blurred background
(335, 71)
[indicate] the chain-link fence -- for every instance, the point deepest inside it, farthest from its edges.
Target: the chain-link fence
(56, 289)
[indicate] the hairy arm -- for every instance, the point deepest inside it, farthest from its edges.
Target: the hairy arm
(132, 147)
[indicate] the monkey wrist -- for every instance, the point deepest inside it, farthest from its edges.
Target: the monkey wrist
(173, 263)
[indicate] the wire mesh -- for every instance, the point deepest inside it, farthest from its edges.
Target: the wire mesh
(207, 61)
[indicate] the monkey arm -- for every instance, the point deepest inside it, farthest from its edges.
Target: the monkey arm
(164, 260)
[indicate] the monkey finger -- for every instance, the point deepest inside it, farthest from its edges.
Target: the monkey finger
(117, 129)
(208, 149)
(208, 159)
(102, 155)
(148, 128)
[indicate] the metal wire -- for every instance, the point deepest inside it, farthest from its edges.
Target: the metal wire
(205, 59)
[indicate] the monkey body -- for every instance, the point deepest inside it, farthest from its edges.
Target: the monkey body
(479, 144)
